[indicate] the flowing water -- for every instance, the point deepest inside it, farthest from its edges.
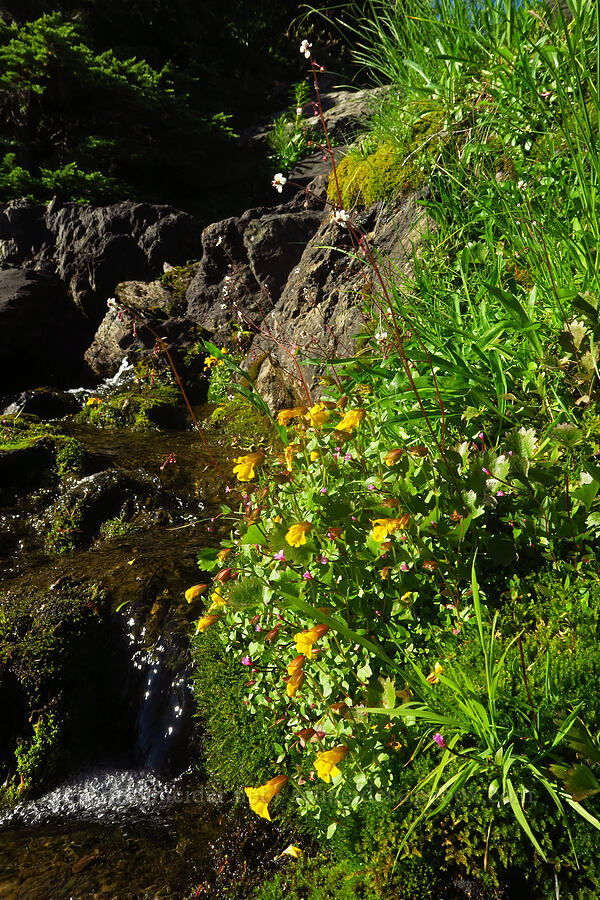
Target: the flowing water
(136, 822)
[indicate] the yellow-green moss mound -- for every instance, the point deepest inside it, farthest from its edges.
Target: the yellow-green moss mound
(372, 172)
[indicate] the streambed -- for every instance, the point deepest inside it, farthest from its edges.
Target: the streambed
(133, 818)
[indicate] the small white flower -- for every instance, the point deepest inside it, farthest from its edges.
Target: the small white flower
(341, 217)
(305, 48)
(223, 306)
(381, 336)
(522, 185)
(278, 182)
(111, 303)
(298, 110)
(220, 241)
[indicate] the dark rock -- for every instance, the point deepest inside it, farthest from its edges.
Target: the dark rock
(246, 262)
(45, 403)
(41, 331)
(93, 248)
(26, 468)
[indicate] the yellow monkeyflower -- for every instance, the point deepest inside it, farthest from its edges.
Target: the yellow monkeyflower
(383, 527)
(296, 664)
(217, 600)
(351, 420)
(214, 360)
(205, 622)
(260, 797)
(305, 639)
(314, 454)
(296, 534)
(93, 401)
(294, 683)
(286, 415)
(317, 415)
(392, 456)
(326, 762)
(289, 454)
(195, 591)
(434, 676)
(246, 465)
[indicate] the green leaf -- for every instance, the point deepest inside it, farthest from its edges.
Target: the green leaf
(208, 558)
(520, 817)
(388, 700)
(579, 781)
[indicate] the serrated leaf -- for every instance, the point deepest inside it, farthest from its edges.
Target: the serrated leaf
(388, 700)
(579, 781)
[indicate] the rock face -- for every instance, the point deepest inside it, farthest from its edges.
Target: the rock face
(246, 262)
(42, 338)
(91, 249)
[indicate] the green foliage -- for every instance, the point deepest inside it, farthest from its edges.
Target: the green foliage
(116, 528)
(87, 125)
(147, 405)
(291, 138)
(38, 759)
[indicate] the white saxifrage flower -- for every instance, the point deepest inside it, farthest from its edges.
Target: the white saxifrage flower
(341, 217)
(278, 182)
(305, 48)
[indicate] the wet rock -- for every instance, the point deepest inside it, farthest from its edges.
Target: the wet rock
(42, 339)
(92, 248)
(246, 262)
(121, 335)
(44, 402)
(26, 468)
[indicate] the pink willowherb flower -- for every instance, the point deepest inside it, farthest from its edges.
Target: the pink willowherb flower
(439, 739)
(246, 661)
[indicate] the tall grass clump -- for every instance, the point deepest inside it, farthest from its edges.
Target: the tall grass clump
(411, 576)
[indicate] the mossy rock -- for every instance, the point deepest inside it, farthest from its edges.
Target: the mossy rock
(177, 280)
(56, 646)
(239, 418)
(140, 408)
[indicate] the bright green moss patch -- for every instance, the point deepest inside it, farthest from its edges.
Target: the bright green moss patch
(18, 432)
(140, 408)
(238, 417)
(374, 171)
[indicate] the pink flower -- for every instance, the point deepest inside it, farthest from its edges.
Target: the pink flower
(371, 487)
(246, 661)
(308, 576)
(404, 567)
(439, 739)
(280, 555)
(323, 490)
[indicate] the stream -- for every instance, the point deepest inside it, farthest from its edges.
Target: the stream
(135, 819)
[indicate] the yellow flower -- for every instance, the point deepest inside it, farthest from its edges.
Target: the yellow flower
(260, 797)
(296, 852)
(392, 456)
(317, 415)
(351, 420)
(326, 762)
(296, 534)
(434, 676)
(195, 591)
(383, 527)
(305, 639)
(246, 465)
(205, 622)
(296, 664)
(294, 683)
(217, 600)
(289, 454)
(314, 454)
(286, 415)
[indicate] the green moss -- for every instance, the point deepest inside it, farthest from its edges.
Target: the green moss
(70, 454)
(238, 417)
(141, 408)
(177, 281)
(18, 432)
(374, 171)
(117, 527)
(239, 748)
